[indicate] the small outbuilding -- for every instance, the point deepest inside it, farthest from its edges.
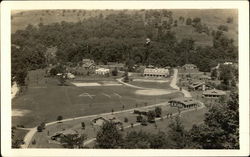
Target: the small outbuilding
(88, 64)
(59, 135)
(102, 71)
(107, 118)
(198, 86)
(184, 102)
(205, 78)
(214, 93)
(189, 67)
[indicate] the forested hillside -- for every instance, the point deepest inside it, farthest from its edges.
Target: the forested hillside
(120, 36)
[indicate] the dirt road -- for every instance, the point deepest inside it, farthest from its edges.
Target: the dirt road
(174, 85)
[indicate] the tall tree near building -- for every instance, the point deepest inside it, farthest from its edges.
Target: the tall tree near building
(221, 126)
(108, 136)
(177, 134)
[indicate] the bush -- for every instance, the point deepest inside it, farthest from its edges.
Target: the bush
(144, 122)
(136, 112)
(21, 126)
(139, 118)
(229, 20)
(39, 128)
(151, 116)
(57, 69)
(223, 28)
(188, 21)
(158, 112)
(114, 72)
(59, 118)
(43, 125)
(83, 125)
(125, 119)
(34, 142)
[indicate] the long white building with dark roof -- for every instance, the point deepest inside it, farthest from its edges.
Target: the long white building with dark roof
(156, 72)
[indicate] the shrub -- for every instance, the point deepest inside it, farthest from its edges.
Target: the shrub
(229, 20)
(59, 118)
(223, 28)
(56, 70)
(114, 72)
(125, 119)
(139, 118)
(151, 116)
(83, 125)
(34, 142)
(188, 21)
(136, 112)
(43, 125)
(144, 122)
(39, 128)
(158, 112)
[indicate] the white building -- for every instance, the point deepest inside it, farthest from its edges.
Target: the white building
(156, 72)
(102, 71)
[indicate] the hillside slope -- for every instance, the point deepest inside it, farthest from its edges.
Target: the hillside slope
(211, 18)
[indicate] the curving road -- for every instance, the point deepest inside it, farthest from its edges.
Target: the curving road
(130, 85)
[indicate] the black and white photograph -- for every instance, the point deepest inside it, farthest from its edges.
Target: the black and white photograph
(160, 78)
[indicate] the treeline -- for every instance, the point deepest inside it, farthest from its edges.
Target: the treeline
(220, 130)
(118, 37)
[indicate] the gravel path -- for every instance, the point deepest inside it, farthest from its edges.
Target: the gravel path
(173, 85)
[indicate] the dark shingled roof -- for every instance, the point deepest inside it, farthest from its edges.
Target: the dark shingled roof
(214, 92)
(186, 101)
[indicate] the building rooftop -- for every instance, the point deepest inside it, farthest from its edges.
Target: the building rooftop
(156, 71)
(66, 132)
(214, 92)
(190, 65)
(196, 84)
(186, 101)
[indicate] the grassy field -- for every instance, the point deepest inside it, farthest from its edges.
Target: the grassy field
(188, 119)
(19, 133)
(164, 85)
(44, 100)
(42, 138)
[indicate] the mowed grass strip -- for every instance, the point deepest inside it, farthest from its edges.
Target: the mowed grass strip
(188, 119)
(156, 85)
(45, 104)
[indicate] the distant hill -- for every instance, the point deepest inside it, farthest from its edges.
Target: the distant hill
(211, 18)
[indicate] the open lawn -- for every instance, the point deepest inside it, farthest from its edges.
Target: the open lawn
(188, 119)
(157, 85)
(45, 103)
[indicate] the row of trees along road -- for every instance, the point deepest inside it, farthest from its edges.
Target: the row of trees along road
(220, 130)
(117, 37)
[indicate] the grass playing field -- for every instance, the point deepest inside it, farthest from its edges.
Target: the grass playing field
(45, 103)
(163, 85)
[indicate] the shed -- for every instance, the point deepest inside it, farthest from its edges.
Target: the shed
(184, 102)
(214, 93)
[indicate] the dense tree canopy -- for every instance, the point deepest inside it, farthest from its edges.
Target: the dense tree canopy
(118, 37)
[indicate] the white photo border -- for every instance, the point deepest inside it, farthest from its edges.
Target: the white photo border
(243, 29)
